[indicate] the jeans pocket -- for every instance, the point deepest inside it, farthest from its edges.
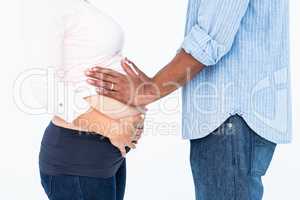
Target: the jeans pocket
(261, 155)
(47, 183)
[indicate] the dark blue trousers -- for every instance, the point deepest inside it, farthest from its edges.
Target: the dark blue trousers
(65, 187)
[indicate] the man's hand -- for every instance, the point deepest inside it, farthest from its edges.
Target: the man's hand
(126, 132)
(135, 88)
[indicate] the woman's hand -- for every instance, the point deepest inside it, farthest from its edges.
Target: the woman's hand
(122, 132)
(135, 88)
(126, 132)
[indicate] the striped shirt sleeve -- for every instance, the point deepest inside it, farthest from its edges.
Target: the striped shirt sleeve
(213, 34)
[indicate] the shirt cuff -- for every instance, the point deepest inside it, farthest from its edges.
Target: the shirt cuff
(202, 47)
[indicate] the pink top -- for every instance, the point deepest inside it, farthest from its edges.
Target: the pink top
(80, 37)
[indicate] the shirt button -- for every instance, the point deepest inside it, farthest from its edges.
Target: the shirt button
(229, 125)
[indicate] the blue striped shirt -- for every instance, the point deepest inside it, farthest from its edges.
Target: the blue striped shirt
(245, 47)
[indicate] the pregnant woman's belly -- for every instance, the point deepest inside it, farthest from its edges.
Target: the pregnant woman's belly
(70, 152)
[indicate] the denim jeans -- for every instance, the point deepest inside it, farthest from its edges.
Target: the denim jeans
(229, 163)
(65, 187)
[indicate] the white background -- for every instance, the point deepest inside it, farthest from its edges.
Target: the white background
(159, 168)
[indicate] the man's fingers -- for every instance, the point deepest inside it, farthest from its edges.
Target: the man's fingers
(127, 68)
(133, 66)
(92, 82)
(107, 93)
(103, 84)
(106, 71)
(136, 69)
(101, 76)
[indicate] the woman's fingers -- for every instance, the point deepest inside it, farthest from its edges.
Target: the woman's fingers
(122, 150)
(131, 146)
(137, 121)
(139, 134)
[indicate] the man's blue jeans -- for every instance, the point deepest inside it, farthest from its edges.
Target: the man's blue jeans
(228, 164)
